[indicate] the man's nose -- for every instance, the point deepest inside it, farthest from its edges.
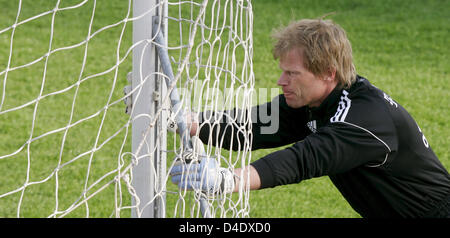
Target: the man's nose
(282, 81)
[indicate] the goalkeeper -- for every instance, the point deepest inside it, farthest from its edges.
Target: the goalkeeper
(340, 126)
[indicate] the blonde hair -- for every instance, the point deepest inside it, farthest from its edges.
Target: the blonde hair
(325, 46)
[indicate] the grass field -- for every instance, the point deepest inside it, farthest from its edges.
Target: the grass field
(400, 46)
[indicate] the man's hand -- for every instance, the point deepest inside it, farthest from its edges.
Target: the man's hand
(206, 176)
(191, 119)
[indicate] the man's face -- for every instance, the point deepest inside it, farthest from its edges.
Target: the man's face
(299, 85)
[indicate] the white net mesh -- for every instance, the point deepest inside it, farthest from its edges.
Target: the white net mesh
(65, 144)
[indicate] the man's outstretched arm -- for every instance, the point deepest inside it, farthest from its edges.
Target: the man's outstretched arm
(288, 124)
(253, 179)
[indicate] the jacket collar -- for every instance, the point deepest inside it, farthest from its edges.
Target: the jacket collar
(331, 102)
(328, 105)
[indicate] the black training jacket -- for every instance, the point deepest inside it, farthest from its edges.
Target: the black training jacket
(367, 143)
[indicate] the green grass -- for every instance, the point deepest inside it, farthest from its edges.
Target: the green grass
(400, 46)
(41, 157)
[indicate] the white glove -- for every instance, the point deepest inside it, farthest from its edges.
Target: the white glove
(205, 176)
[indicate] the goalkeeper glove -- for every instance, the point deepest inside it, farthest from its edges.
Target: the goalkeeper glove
(206, 176)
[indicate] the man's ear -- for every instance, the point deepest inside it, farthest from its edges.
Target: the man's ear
(330, 75)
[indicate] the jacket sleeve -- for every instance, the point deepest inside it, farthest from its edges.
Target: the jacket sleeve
(262, 126)
(334, 149)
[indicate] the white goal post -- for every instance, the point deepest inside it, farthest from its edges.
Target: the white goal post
(67, 147)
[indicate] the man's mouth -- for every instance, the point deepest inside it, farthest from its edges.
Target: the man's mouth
(288, 94)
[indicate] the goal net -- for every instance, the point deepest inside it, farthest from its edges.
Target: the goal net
(71, 147)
